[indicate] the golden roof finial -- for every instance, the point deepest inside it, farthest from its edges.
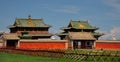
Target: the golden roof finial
(81, 26)
(30, 22)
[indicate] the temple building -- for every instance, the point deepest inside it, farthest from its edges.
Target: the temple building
(26, 29)
(80, 34)
(30, 28)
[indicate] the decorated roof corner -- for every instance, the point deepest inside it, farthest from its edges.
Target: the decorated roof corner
(97, 34)
(65, 28)
(10, 26)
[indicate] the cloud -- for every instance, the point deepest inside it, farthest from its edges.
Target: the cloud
(68, 9)
(113, 33)
(115, 30)
(53, 31)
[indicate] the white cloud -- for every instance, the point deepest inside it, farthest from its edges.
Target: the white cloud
(53, 31)
(115, 32)
(68, 9)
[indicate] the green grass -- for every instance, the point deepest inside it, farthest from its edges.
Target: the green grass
(10, 57)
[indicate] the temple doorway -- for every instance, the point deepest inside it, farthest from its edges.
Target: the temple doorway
(12, 44)
(83, 44)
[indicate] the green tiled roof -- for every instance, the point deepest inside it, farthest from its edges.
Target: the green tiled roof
(97, 34)
(65, 28)
(62, 34)
(79, 25)
(29, 23)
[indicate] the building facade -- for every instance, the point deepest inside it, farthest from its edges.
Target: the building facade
(80, 35)
(26, 29)
(30, 28)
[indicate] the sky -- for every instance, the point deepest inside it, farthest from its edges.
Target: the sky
(104, 14)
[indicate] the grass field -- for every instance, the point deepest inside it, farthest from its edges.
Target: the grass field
(9, 57)
(12, 57)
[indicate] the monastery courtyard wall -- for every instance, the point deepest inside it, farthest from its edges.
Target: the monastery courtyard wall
(43, 44)
(62, 44)
(108, 44)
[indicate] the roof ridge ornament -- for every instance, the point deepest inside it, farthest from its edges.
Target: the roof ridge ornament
(29, 16)
(30, 22)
